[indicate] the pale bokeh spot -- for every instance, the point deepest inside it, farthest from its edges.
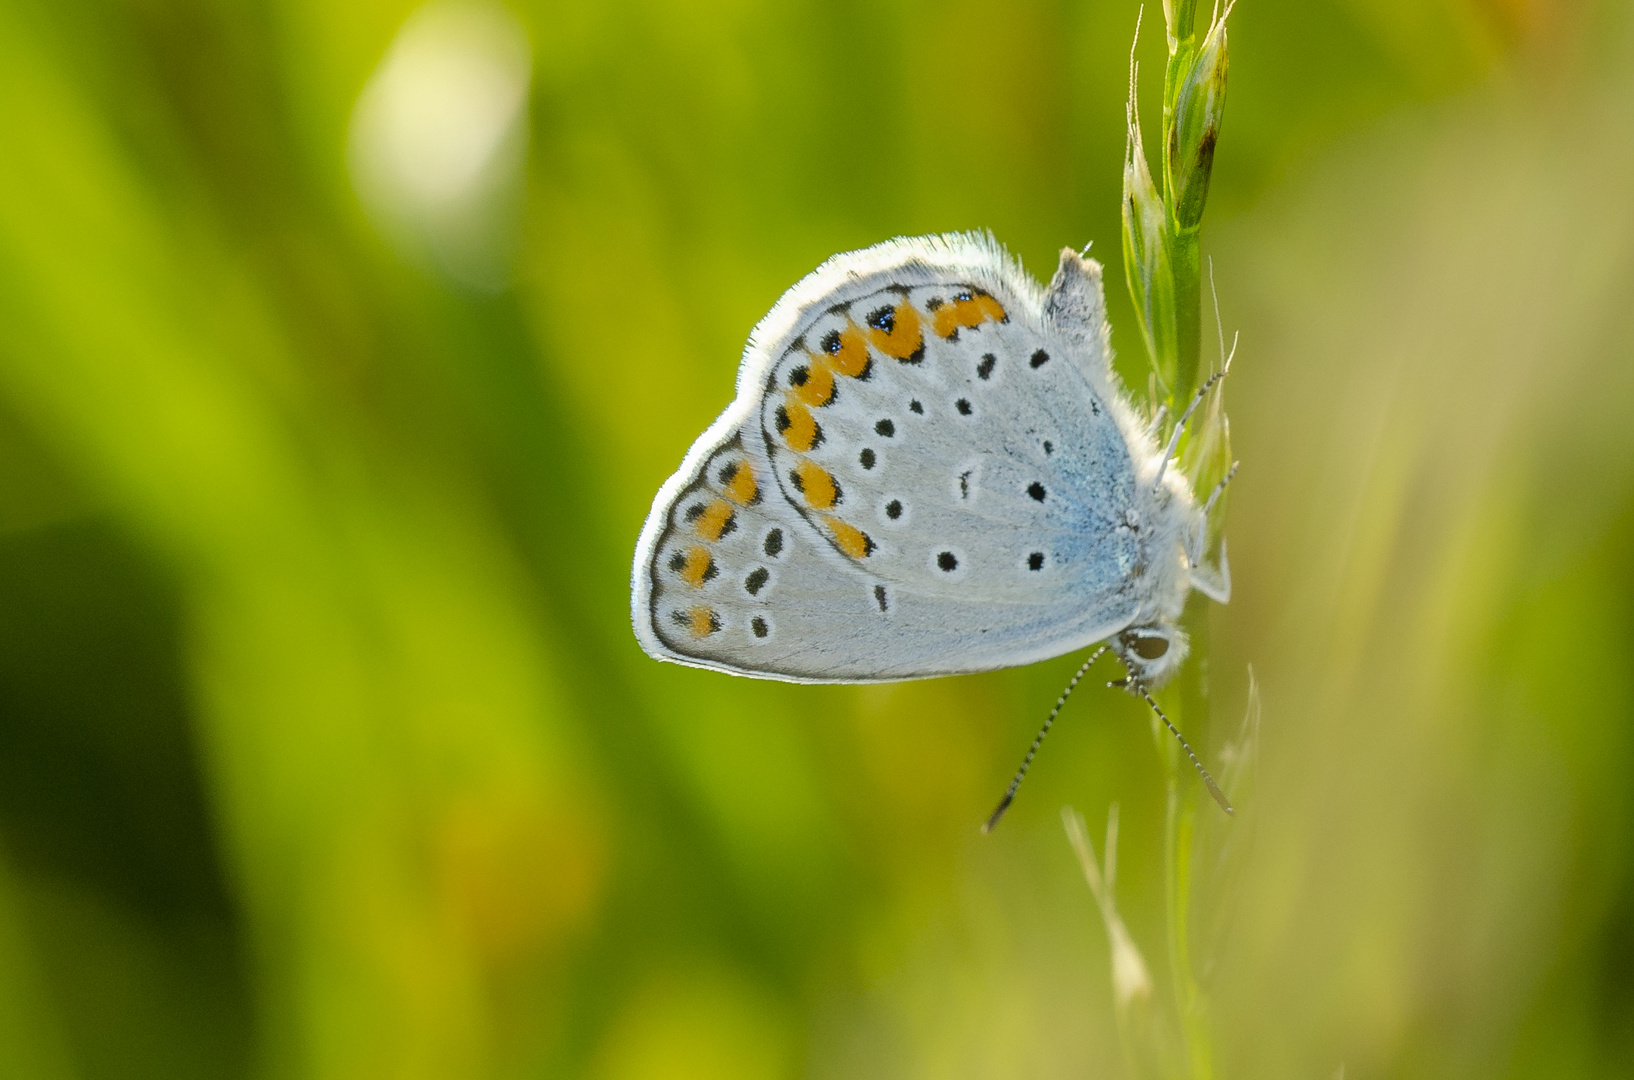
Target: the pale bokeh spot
(439, 138)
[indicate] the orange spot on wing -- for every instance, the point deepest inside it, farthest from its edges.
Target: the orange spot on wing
(714, 521)
(967, 312)
(741, 488)
(697, 566)
(991, 308)
(703, 621)
(851, 540)
(797, 426)
(817, 484)
(818, 389)
(906, 336)
(847, 350)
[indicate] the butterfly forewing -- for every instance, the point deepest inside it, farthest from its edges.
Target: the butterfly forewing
(939, 445)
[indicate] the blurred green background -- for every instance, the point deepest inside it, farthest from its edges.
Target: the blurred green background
(343, 346)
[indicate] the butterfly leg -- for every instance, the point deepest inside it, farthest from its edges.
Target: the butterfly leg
(1155, 425)
(1219, 489)
(1212, 583)
(1180, 427)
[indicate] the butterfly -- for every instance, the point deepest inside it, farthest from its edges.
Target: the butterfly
(929, 468)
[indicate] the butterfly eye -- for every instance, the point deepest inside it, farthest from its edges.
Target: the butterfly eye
(1150, 648)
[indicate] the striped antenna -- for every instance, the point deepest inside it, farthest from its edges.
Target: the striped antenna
(1009, 795)
(1208, 781)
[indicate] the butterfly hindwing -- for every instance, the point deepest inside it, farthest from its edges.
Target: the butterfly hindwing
(926, 471)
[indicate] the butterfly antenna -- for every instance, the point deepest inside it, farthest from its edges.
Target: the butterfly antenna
(1208, 781)
(1010, 794)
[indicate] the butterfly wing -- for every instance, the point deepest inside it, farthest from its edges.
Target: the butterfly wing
(927, 470)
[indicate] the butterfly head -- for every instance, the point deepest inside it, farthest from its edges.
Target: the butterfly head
(1152, 652)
